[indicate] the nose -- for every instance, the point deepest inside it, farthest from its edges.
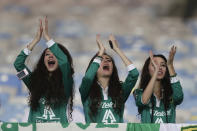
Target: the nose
(160, 67)
(104, 60)
(51, 56)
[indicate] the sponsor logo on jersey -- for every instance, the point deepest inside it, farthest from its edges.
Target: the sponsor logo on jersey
(160, 113)
(107, 105)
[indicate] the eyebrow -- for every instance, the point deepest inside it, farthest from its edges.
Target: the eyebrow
(47, 51)
(108, 58)
(163, 63)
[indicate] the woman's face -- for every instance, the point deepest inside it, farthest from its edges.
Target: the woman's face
(50, 61)
(106, 67)
(162, 67)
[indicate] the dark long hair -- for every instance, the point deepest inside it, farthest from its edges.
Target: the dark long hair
(50, 87)
(166, 90)
(114, 92)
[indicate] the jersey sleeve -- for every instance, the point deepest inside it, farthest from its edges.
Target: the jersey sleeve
(88, 79)
(177, 90)
(138, 98)
(130, 81)
(64, 66)
(19, 65)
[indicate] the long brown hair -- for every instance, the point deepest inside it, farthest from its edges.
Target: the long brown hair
(166, 91)
(114, 91)
(51, 88)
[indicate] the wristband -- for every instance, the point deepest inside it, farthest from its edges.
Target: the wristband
(99, 57)
(173, 75)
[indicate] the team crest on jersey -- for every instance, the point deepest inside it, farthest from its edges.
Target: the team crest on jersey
(159, 120)
(48, 115)
(108, 117)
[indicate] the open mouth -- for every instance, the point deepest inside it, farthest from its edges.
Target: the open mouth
(51, 63)
(106, 68)
(160, 73)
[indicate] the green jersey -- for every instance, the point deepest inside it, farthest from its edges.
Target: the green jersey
(106, 113)
(159, 113)
(50, 113)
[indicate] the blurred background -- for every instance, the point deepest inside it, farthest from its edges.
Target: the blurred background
(139, 26)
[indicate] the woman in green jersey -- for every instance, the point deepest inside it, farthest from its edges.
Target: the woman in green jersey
(50, 84)
(103, 95)
(159, 90)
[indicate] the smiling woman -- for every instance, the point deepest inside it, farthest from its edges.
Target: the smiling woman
(50, 84)
(159, 91)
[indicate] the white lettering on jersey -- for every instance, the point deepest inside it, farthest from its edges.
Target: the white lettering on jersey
(162, 113)
(107, 105)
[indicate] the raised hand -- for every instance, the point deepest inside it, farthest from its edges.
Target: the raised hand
(171, 55)
(171, 60)
(100, 45)
(37, 37)
(155, 65)
(46, 33)
(116, 48)
(114, 42)
(151, 84)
